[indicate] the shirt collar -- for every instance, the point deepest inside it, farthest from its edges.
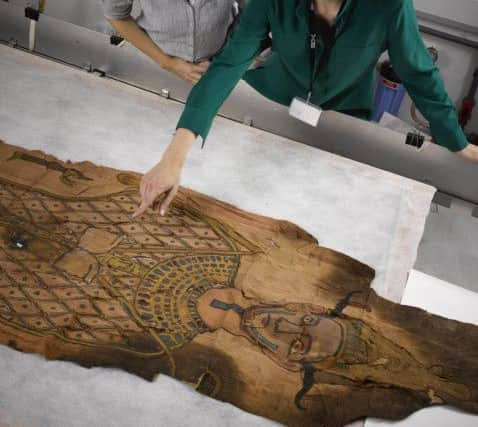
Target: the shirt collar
(303, 7)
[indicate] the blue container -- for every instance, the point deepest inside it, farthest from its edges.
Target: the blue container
(388, 97)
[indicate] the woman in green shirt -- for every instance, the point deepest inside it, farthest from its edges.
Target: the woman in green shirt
(354, 35)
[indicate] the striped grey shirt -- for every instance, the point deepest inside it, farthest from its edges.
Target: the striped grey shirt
(189, 29)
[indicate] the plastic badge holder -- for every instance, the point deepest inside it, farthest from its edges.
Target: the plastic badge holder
(305, 112)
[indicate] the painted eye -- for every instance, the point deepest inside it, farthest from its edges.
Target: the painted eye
(18, 242)
(310, 319)
(297, 347)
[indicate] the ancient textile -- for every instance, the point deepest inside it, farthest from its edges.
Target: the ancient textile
(246, 309)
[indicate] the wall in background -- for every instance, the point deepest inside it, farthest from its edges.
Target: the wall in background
(463, 12)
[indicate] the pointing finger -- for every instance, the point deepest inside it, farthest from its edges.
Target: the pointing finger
(141, 186)
(166, 202)
(141, 210)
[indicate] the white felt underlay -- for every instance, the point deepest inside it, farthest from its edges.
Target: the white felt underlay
(372, 215)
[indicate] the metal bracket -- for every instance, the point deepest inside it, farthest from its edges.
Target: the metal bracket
(442, 199)
(87, 67)
(98, 72)
(474, 213)
(165, 93)
(248, 121)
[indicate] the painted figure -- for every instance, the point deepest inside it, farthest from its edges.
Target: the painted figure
(206, 294)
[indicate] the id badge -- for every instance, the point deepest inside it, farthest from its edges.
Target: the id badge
(305, 112)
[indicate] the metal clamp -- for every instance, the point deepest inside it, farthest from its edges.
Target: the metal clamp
(116, 40)
(32, 13)
(415, 140)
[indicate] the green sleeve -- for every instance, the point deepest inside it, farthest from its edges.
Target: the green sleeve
(421, 77)
(226, 69)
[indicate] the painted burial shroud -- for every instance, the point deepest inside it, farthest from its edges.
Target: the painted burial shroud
(247, 309)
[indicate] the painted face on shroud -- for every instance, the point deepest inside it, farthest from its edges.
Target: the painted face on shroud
(293, 337)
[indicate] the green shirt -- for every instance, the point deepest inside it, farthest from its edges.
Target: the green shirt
(364, 29)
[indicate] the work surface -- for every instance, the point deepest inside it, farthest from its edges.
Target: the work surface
(369, 214)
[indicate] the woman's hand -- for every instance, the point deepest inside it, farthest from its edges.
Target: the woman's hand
(186, 70)
(163, 179)
(470, 152)
(130, 30)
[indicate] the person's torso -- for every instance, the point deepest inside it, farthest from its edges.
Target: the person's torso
(345, 81)
(189, 29)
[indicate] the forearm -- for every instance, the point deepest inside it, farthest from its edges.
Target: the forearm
(178, 150)
(206, 98)
(421, 77)
(133, 33)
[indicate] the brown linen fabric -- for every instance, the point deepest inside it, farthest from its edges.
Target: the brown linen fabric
(247, 309)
